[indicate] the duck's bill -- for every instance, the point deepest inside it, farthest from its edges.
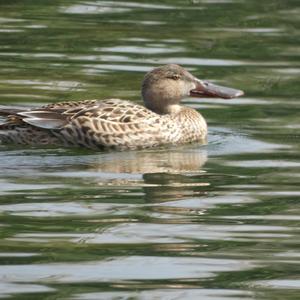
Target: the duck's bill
(208, 89)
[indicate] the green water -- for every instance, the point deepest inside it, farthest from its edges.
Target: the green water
(215, 222)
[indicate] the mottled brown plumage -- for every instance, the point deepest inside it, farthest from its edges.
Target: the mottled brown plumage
(115, 123)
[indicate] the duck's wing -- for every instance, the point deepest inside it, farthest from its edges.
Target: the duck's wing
(48, 114)
(58, 107)
(93, 113)
(95, 124)
(115, 111)
(69, 105)
(114, 123)
(55, 115)
(108, 123)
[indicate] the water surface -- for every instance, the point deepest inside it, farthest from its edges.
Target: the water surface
(214, 222)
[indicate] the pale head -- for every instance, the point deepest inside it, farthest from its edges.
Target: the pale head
(165, 86)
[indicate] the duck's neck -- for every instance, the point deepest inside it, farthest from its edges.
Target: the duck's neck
(160, 100)
(157, 107)
(173, 109)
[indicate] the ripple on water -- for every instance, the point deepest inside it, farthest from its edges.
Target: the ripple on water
(147, 233)
(58, 209)
(9, 289)
(61, 85)
(7, 187)
(178, 292)
(92, 9)
(122, 268)
(94, 69)
(224, 141)
(263, 163)
(279, 284)
(110, 7)
(155, 49)
(16, 254)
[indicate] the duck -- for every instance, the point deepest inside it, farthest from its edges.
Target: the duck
(119, 124)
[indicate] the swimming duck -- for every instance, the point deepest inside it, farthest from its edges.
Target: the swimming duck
(120, 124)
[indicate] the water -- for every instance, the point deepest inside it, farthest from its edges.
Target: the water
(214, 222)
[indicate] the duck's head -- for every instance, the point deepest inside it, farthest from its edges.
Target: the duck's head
(165, 86)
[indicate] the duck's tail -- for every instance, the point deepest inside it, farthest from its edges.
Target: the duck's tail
(7, 110)
(9, 117)
(22, 126)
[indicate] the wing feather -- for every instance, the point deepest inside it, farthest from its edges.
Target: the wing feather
(95, 124)
(63, 106)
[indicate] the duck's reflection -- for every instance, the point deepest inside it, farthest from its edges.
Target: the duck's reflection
(164, 175)
(175, 161)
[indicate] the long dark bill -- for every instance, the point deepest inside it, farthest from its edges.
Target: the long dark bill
(208, 89)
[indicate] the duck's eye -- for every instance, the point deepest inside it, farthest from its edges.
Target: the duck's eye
(175, 77)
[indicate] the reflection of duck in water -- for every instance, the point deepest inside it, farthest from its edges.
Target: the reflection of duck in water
(120, 124)
(175, 161)
(163, 174)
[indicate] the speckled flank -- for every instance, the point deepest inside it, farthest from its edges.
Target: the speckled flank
(111, 123)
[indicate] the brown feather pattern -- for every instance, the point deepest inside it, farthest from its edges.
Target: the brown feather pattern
(111, 123)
